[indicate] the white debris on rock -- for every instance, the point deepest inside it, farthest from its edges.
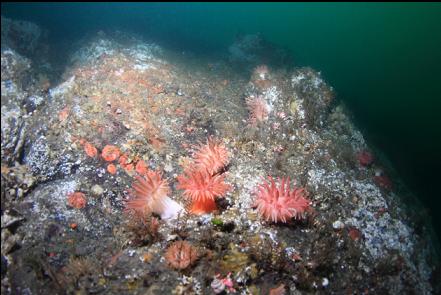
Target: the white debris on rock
(9, 88)
(333, 181)
(89, 54)
(36, 99)
(246, 175)
(297, 78)
(337, 225)
(297, 109)
(381, 232)
(13, 65)
(144, 67)
(143, 53)
(142, 56)
(357, 141)
(271, 95)
(63, 88)
(290, 251)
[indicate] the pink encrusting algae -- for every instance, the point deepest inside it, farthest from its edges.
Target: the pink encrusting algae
(150, 195)
(280, 203)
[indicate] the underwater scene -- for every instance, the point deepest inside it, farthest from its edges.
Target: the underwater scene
(224, 148)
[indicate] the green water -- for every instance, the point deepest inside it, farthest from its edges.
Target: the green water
(383, 60)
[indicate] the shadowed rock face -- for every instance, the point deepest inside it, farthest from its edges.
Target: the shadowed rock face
(155, 107)
(23, 36)
(251, 50)
(14, 69)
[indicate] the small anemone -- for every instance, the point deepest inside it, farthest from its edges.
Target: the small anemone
(258, 110)
(181, 254)
(261, 72)
(150, 195)
(77, 200)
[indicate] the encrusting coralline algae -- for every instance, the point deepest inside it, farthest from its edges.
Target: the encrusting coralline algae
(124, 109)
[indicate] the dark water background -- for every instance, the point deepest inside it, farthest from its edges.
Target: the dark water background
(383, 59)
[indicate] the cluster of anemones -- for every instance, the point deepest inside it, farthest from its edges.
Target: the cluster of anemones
(202, 181)
(110, 154)
(279, 203)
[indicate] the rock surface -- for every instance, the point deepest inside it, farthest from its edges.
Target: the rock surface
(155, 106)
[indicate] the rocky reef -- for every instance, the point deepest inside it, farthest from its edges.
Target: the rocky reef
(73, 147)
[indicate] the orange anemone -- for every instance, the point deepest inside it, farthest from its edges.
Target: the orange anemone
(124, 162)
(141, 167)
(111, 169)
(77, 200)
(110, 153)
(90, 150)
(202, 188)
